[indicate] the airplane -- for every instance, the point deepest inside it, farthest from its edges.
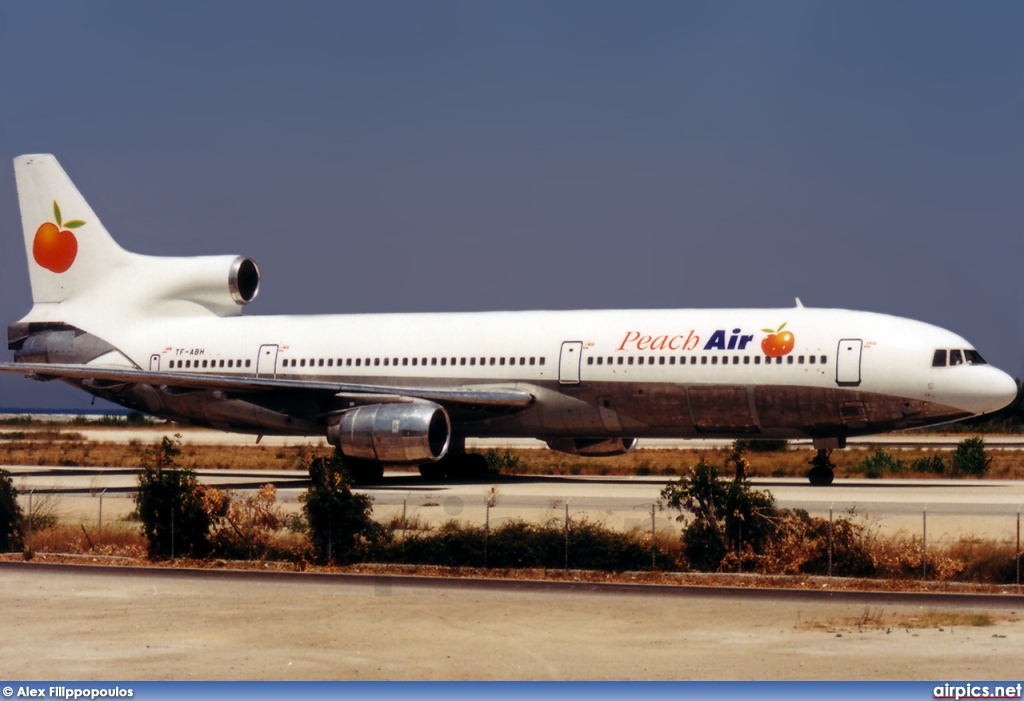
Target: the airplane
(166, 336)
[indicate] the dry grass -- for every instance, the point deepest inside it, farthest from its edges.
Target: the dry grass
(879, 619)
(49, 447)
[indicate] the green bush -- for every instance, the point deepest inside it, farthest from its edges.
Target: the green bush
(338, 521)
(881, 463)
(969, 458)
(519, 545)
(934, 464)
(504, 461)
(10, 514)
(170, 504)
(727, 516)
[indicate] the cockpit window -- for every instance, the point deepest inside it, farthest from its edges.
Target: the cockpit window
(955, 358)
(939, 359)
(974, 357)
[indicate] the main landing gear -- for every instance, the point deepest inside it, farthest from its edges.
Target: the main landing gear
(821, 474)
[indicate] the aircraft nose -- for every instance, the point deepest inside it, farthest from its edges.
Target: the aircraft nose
(999, 389)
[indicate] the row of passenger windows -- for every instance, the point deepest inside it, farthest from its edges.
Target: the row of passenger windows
(367, 362)
(209, 363)
(736, 360)
(956, 357)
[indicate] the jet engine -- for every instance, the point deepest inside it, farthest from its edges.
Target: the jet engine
(395, 434)
(593, 447)
(221, 284)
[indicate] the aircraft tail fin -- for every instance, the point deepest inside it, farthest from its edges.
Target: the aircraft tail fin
(73, 259)
(68, 247)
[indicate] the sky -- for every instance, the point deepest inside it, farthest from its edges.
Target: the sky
(460, 156)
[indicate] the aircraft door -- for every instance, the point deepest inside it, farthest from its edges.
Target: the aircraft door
(266, 363)
(848, 362)
(154, 362)
(569, 363)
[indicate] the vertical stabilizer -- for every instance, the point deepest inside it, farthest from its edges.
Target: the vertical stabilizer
(68, 248)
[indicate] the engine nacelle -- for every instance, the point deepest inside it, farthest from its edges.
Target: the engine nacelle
(593, 447)
(395, 434)
(221, 284)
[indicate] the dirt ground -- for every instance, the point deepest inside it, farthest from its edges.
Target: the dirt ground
(141, 626)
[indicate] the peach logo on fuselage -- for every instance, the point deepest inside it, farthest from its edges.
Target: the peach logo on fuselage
(777, 342)
(55, 248)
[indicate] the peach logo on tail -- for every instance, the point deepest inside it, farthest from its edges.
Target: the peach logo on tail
(777, 342)
(55, 248)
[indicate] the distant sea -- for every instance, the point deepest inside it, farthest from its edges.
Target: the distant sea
(117, 411)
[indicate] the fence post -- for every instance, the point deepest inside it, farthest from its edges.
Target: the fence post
(487, 527)
(830, 538)
(924, 542)
(30, 519)
(654, 543)
(99, 525)
(248, 528)
(405, 504)
(567, 534)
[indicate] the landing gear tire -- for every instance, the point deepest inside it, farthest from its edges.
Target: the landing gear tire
(821, 474)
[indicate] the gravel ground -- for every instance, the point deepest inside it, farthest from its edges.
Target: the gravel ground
(74, 625)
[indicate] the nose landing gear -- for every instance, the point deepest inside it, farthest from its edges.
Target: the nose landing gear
(821, 474)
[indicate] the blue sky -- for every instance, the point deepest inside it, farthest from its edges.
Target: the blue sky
(434, 156)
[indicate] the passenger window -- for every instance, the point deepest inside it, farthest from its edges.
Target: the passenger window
(630, 361)
(746, 360)
(714, 360)
(522, 361)
(974, 357)
(472, 361)
(444, 361)
(533, 361)
(462, 361)
(415, 361)
(789, 360)
(359, 362)
(320, 363)
(405, 362)
(757, 360)
(542, 361)
(955, 358)
(703, 360)
(433, 361)
(385, 361)
(671, 360)
(248, 363)
(303, 362)
(621, 360)
(939, 359)
(376, 362)
(800, 359)
(501, 361)
(811, 359)
(823, 360)
(600, 360)
(590, 361)
(330, 362)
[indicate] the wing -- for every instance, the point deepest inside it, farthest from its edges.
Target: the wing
(477, 397)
